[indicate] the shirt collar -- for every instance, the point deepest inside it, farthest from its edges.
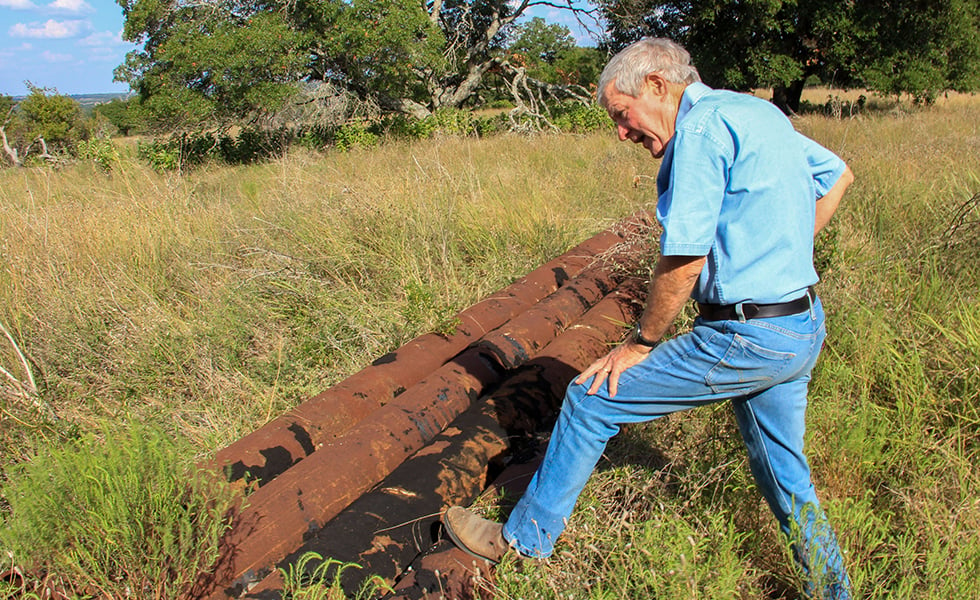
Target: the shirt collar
(690, 97)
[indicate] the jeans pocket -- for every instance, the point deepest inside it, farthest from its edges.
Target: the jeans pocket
(746, 367)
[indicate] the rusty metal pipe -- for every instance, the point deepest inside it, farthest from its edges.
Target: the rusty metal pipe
(284, 441)
(445, 571)
(315, 490)
(517, 340)
(303, 498)
(385, 529)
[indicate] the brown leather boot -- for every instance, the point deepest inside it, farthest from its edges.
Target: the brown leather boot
(475, 535)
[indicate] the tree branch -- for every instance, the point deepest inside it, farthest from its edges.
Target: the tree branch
(10, 152)
(23, 389)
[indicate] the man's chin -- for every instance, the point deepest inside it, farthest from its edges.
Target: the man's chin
(653, 149)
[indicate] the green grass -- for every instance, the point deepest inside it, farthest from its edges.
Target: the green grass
(121, 516)
(206, 303)
(324, 581)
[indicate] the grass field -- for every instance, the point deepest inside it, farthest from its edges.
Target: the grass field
(201, 305)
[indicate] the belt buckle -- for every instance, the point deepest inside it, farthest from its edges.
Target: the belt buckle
(746, 311)
(740, 312)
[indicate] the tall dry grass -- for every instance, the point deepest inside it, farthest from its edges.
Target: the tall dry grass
(210, 302)
(213, 301)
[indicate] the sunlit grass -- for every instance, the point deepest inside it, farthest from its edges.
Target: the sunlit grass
(209, 302)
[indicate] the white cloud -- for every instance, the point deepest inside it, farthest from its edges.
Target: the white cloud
(69, 6)
(18, 4)
(102, 38)
(55, 57)
(50, 29)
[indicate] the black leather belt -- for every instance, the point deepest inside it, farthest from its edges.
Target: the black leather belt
(725, 312)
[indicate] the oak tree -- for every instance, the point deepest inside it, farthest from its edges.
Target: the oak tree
(919, 47)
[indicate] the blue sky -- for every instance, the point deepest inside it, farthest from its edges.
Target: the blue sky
(74, 45)
(70, 45)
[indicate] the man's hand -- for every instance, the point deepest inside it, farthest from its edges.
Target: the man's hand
(670, 288)
(612, 365)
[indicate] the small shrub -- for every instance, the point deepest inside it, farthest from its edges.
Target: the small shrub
(101, 151)
(123, 516)
(355, 134)
(491, 124)
(453, 121)
(579, 118)
(162, 156)
(325, 581)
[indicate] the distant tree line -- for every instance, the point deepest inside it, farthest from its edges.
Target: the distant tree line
(46, 126)
(344, 72)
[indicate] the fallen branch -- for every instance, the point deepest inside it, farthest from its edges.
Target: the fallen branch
(23, 389)
(11, 152)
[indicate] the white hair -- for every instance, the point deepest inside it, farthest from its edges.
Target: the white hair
(631, 65)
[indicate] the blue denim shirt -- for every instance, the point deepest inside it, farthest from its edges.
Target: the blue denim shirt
(739, 185)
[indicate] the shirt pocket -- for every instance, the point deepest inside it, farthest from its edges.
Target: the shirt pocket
(746, 367)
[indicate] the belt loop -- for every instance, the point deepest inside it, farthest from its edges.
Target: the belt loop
(740, 311)
(811, 294)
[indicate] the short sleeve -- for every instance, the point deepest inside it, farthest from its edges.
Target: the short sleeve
(690, 203)
(825, 166)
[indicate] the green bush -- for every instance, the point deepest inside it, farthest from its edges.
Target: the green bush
(579, 118)
(355, 134)
(162, 156)
(445, 121)
(101, 151)
(122, 515)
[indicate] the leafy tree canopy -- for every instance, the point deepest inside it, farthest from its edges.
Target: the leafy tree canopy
(53, 117)
(550, 54)
(43, 122)
(120, 114)
(217, 61)
(901, 46)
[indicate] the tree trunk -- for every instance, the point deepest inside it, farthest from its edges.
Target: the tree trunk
(787, 98)
(11, 152)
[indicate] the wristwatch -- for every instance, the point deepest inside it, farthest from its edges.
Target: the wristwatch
(639, 339)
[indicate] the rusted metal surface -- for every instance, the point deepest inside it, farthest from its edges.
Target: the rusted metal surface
(363, 430)
(275, 447)
(445, 571)
(309, 494)
(516, 341)
(388, 527)
(314, 491)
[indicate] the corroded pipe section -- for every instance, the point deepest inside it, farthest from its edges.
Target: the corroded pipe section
(445, 571)
(517, 340)
(283, 442)
(387, 528)
(280, 516)
(314, 491)
(306, 496)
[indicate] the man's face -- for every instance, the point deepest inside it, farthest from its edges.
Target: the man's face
(647, 120)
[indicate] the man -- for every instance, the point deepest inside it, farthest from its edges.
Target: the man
(741, 196)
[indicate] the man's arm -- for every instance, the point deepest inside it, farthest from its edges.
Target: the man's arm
(827, 204)
(670, 289)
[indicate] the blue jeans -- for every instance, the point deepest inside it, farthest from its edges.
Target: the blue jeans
(763, 367)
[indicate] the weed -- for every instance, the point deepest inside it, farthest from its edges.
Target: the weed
(325, 581)
(101, 151)
(121, 516)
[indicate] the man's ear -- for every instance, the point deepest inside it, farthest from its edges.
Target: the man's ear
(656, 84)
